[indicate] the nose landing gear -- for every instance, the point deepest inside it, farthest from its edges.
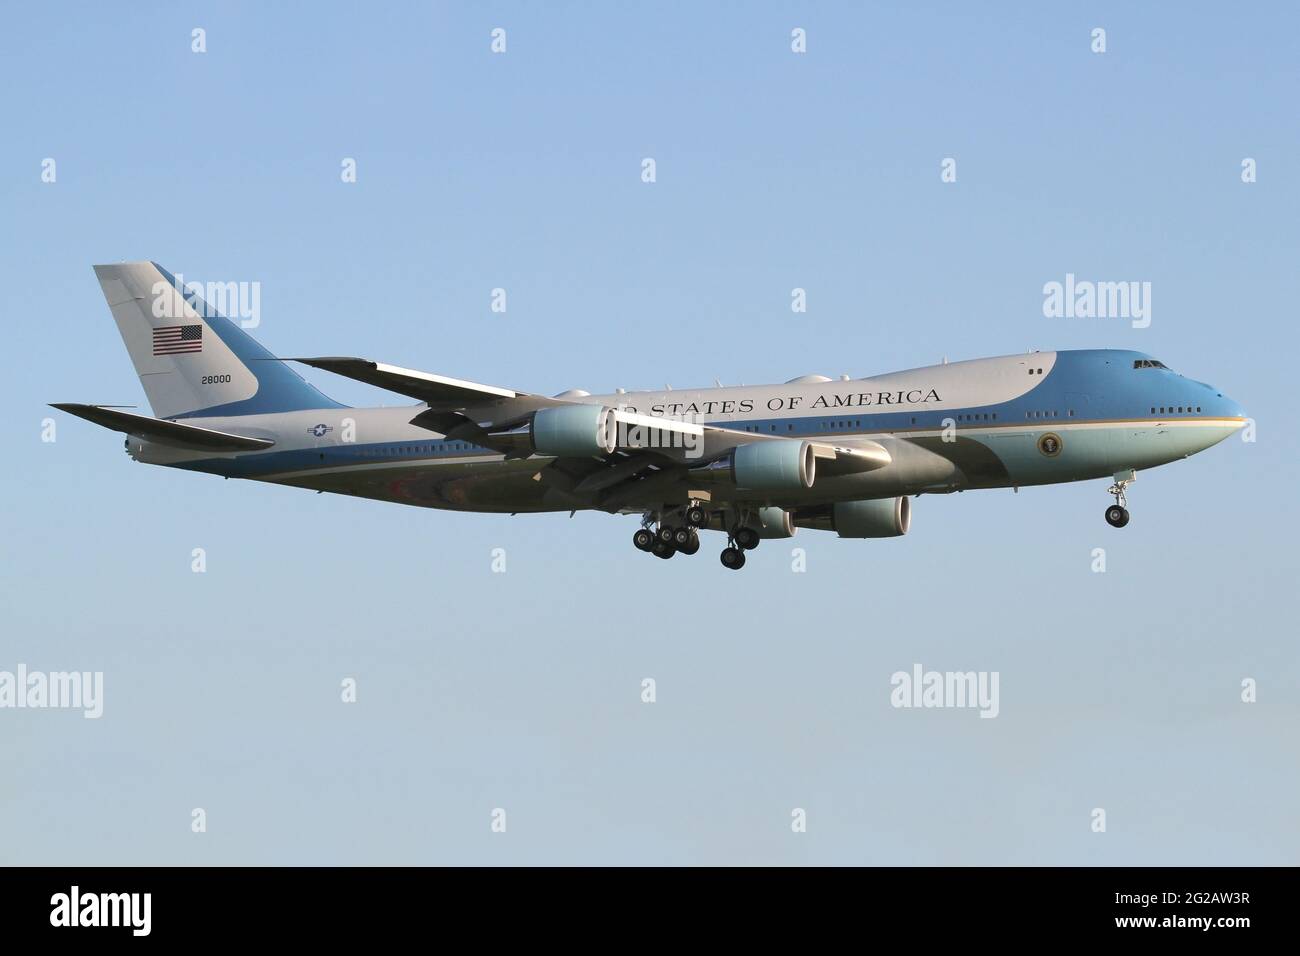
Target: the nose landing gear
(1117, 514)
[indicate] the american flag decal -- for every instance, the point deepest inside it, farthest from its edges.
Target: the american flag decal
(175, 339)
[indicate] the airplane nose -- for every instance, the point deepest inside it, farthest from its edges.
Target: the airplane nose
(1220, 405)
(1226, 418)
(1229, 408)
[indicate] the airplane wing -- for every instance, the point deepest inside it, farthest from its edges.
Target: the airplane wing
(439, 392)
(498, 418)
(162, 431)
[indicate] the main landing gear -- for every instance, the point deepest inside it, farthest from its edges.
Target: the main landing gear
(664, 534)
(660, 543)
(1117, 514)
(669, 538)
(741, 539)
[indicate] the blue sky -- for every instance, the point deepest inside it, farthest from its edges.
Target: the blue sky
(775, 170)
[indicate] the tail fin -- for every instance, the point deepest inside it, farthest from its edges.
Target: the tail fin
(193, 361)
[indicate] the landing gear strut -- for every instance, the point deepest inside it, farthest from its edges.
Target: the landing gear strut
(1117, 514)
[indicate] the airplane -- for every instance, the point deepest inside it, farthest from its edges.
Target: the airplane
(754, 462)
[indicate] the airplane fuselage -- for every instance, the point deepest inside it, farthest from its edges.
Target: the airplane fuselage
(1037, 418)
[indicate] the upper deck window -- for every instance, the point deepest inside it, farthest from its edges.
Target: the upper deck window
(1149, 363)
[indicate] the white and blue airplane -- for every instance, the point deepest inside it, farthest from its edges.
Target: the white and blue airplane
(843, 455)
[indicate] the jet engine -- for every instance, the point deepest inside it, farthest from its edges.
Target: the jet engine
(781, 465)
(574, 431)
(878, 518)
(773, 523)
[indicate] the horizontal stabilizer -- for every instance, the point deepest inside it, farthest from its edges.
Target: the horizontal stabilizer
(163, 432)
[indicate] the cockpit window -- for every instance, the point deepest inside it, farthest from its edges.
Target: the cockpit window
(1150, 363)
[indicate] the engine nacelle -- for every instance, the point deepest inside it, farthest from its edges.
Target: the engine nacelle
(773, 523)
(574, 431)
(878, 518)
(781, 465)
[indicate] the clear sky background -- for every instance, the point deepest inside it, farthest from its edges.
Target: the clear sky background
(479, 690)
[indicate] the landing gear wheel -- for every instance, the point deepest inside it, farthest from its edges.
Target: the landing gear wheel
(1117, 514)
(661, 550)
(682, 537)
(732, 558)
(747, 538)
(696, 516)
(643, 540)
(692, 545)
(664, 534)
